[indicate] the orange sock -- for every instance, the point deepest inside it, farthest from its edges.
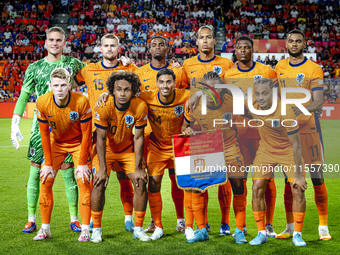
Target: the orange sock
(126, 196)
(288, 197)
(245, 199)
(155, 203)
(198, 206)
(189, 221)
(270, 196)
(224, 197)
(139, 218)
(177, 197)
(84, 201)
(239, 210)
(206, 200)
(321, 200)
(259, 218)
(299, 217)
(46, 200)
(97, 219)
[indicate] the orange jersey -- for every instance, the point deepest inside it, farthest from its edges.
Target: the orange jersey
(307, 75)
(69, 124)
(273, 134)
(95, 75)
(206, 122)
(165, 119)
(245, 79)
(119, 123)
(194, 68)
(147, 75)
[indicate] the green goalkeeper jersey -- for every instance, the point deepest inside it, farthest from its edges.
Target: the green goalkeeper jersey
(37, 76)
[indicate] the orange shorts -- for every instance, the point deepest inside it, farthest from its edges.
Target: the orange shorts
(124, 161)
(158, 160)
(312, 148)
(59, 152)
(248, 149)
(266, 160)
(234, 159)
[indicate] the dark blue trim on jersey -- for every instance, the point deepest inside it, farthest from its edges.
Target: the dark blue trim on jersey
(166, 103)
(42, 121)
(86, 120)
(121, 109)
(317, 88)
(188, 121)
(158, 69)
(205, 61)
(318, 128)
(63, 106)
(293, 132)
(78, 82)
(106, 67)
(99, 126)
(248, 70)
(304, 61)
(140, 127)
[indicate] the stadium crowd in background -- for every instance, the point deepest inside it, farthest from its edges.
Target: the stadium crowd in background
(23, 25)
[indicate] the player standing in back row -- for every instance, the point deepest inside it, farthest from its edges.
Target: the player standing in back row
(298, 71)
(37, 79)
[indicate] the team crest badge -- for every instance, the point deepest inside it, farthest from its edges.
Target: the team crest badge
(227, 116)
(69, 70)
(257, 77)
(299, 78)
(178, 110)
(218, 70)
(74, 116)
(96, 116)
(276, 123)
(129, 119)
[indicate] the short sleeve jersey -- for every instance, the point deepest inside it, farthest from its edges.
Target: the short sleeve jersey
(165, 119)
(119, 123)
(276, 128)
(194, 68)
(95, 75)
(37, 75)
(222, 111)
(307, 75)
(147, 75)
(65, 121)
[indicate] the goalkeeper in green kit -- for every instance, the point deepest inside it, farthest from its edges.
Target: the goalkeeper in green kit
(37, 79)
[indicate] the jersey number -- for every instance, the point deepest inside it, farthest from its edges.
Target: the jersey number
(53, 125)
(113, 130)
(158, 120)
(98, 84)
(316, 150)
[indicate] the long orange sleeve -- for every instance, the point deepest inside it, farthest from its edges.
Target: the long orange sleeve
(46, 142)
(86, 141)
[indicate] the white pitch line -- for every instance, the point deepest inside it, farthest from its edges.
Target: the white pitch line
(12, 146)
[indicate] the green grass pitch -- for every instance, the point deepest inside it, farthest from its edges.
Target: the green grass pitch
(13, 217)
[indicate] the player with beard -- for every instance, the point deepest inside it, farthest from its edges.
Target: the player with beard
(94, 76)
(196, 67)
(301, 72)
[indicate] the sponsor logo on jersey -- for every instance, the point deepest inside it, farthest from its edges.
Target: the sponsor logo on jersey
(96, 74)
(74, 116)
(218, 70)
(193, 71)
(178, 110)
(146, 80)
(299, 78)
(129, 119)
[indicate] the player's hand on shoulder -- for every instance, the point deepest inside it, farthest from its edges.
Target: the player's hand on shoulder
(83, 171)
(102, 99)
(15, 132)
(46, 171)
(300, 183)
(100, 176)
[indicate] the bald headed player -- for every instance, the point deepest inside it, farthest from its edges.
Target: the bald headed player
(148, 74)
(196, 67)
(94, 76)
(298, 71)
(243, 77)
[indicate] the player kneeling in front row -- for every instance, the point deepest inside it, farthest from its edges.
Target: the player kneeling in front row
(279, 145)
(69, 116)
(117, 144)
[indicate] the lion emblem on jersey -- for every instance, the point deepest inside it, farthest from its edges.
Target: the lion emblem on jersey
(69, 70)
(257, 77)
(276, 123)
(228, 116)
(218, 70)
(299, 78)
(178, 110)
(74, 116)
(129, 119)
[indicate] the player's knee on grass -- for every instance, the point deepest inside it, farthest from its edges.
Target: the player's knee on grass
(298, 194)
(237, 185)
